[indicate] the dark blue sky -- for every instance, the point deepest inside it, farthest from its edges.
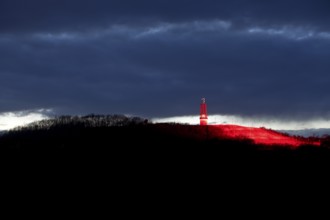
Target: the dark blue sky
(157, 58)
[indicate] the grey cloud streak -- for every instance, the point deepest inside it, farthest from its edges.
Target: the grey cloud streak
(157, 58)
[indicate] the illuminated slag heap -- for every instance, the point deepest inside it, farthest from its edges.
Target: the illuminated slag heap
(203, 113)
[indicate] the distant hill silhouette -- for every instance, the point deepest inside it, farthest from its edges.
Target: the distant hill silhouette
(133, 137)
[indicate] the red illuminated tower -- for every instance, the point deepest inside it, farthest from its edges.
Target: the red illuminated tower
(203, 113)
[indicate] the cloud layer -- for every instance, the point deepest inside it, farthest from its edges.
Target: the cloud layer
(158, 58)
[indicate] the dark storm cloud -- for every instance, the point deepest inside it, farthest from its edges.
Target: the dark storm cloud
(18, 15)
(157, 58)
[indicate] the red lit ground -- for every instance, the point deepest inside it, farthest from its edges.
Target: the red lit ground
(260, 136)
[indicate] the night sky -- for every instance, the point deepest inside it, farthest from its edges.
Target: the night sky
(157, 58)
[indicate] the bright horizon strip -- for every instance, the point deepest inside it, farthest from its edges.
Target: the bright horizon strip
(270, 123)
(10, 120)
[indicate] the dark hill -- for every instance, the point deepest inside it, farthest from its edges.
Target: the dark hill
(135, 139)
(108, 155)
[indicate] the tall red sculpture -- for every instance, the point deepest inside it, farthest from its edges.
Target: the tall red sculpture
(203, 113)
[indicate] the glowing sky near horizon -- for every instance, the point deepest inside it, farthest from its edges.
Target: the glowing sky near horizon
(271, 123)
(10, 120)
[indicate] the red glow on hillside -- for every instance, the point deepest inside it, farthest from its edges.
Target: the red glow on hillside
(261, 136)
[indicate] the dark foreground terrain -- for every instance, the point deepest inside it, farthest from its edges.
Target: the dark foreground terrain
(130, 160)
